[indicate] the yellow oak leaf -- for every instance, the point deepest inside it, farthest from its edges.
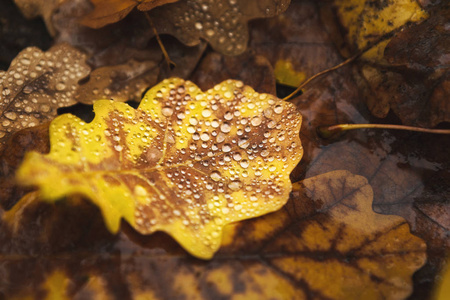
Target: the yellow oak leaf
(185, 162)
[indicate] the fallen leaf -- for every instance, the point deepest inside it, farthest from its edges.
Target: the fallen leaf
(222, 24)
(36, 84)
(423, 49)
(120, 83)
(254, 70)
(300, 45)
(287, 75)
(406, 72)
(185, 162)
(45, 8)
(111, 11)
(367, 22)
(326, 243)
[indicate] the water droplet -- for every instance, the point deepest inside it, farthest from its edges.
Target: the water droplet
(234, 185)
(193, 121)
(204, 136)
(225, 127)
(198, 26)
(244, 163)
(191, 129)
(167, 111)
(45, 108)
(278, 109)
(243, 143)
(27, 89)
(226, 148)
(206, 113)
(256, 121)
(237, 156)
(6, 92)
(60, 86)
(11, 115)
(118, 148)
(215, 175)
(220, 137)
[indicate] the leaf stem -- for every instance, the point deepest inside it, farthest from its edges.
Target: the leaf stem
(169, 62)
(327, 131)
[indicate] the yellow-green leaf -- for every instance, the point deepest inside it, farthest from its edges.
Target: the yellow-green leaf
(185, 162)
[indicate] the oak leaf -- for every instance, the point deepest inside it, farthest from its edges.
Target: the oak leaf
(111, 11)
(223, 24)
(36, 84)
(185, 162)
(326, 243)
(407, 71)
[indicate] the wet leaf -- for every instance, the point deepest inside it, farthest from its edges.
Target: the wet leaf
(222, 24)
(110, 11)
(36, 84)
(325, 243)
(185, 162)
(120, 83)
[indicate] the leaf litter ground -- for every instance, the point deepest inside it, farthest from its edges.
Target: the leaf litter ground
(408, 173)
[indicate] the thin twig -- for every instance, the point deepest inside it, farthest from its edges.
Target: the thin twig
(349, 60)
(169, 62)
(329, 130)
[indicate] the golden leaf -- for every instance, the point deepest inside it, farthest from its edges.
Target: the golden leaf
(185, 162)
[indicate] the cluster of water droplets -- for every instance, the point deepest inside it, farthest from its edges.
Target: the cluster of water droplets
(227, 156)
(222, 23)
(121, 83)
(36, 84)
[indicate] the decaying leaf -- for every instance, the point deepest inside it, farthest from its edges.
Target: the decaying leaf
(29, 139)
(222, 23)
(45, 8)
(185, 162)
(408, 71)
(326, 243)
(299, 48)
(254, 70)
(121, 82)
(36, 84)
(111, 11)
(367, 21)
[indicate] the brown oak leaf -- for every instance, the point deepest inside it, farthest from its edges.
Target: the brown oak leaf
(112, 11)
(36, 84)
(326, 243)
